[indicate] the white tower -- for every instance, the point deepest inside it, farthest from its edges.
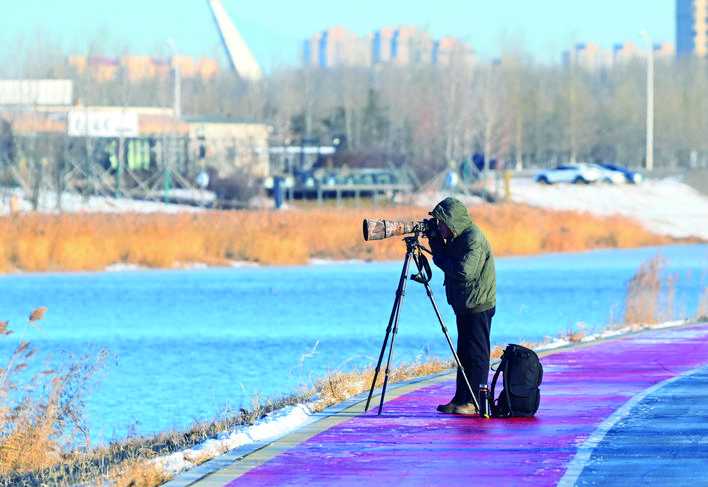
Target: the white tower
(237, 51)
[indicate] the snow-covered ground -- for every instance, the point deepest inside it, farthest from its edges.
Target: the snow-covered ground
(72, 202)
(664, 206)
(276, 425)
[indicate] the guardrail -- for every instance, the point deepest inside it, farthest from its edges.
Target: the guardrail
(320, 192)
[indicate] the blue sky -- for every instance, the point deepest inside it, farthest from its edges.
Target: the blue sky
(275, 29)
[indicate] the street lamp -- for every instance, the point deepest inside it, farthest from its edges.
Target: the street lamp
(650, 100)
(178, 88)
(177, 113)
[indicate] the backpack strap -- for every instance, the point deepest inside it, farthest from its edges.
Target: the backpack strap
(494, 381)
(509, 352)
(495, 412)
(498, 410)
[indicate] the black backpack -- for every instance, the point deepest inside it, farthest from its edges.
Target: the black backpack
(522, 373)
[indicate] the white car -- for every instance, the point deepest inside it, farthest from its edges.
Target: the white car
(581, 173)
(630, 176)
(609, 176)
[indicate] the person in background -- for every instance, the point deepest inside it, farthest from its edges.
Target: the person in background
(14, 204)
(463, 253)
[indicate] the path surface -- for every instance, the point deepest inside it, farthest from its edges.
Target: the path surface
(627, 411)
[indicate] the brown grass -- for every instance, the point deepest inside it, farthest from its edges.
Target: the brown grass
(42, 412)
(642, 300)
(81, 241)
(337, 386)
(702, 311)
(128, 463)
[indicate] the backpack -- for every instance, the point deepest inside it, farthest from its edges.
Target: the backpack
(522, 373)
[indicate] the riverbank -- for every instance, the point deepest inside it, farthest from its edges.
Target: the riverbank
(102, 233)
(630, 395)
(37, 242)
(282, 422)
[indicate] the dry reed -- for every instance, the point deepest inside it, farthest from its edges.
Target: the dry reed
(82, 241)
(128, 463)
(642, 300)
(42, 413)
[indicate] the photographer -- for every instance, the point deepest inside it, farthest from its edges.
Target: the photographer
(463, 253)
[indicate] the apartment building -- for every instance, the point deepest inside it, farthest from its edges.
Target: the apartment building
(336, 46)
(692, 27)
(396, 46)
(143, 67)
(589, 55)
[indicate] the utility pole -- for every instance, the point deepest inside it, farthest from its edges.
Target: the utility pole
(650, 101)
(178, 80)
(169, 154)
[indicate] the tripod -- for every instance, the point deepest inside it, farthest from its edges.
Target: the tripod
(413, 251)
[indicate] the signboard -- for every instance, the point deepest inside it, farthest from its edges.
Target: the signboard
(102, 124)
(36, 92)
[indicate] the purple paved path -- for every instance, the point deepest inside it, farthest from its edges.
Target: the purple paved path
(586, 395)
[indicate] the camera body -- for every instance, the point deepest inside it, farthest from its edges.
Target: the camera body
(381, 229)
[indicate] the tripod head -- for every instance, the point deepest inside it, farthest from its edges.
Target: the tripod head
(414, 249)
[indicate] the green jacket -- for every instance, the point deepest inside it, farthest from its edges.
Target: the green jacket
(467, 260)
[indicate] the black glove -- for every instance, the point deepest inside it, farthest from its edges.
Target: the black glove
(437, 243)
(431, 225)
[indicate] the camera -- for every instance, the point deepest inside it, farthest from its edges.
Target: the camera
(380, 229)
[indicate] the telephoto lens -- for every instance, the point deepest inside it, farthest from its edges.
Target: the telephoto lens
(380, 229)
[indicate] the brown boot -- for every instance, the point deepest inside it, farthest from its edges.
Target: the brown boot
(466, 409)
(448, 408)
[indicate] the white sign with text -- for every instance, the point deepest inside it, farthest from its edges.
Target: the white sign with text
(102, 124)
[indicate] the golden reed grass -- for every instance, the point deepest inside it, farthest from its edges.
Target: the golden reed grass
(41, 408)
(651, 296)
(90, 241)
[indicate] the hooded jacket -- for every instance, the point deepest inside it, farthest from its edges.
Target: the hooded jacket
(466, 259)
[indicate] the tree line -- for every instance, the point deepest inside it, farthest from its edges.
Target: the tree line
(429, 117)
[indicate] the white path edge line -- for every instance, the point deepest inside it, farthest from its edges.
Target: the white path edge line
(582, 457)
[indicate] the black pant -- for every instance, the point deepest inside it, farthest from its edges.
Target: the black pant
(473, 350)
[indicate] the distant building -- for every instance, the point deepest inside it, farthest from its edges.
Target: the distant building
(36, 92)
(628, 51)
(402, 46)
(590, 56)
(449, 50)
(692, 27)
(397, 46)
(100, 68)
(143, 67)
(336, 46)
(230, 146)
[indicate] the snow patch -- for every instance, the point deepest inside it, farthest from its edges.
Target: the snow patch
(664, 206)
(274, 425)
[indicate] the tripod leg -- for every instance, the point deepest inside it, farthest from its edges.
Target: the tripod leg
(388, 363)
(452, 347)
(392, 325)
